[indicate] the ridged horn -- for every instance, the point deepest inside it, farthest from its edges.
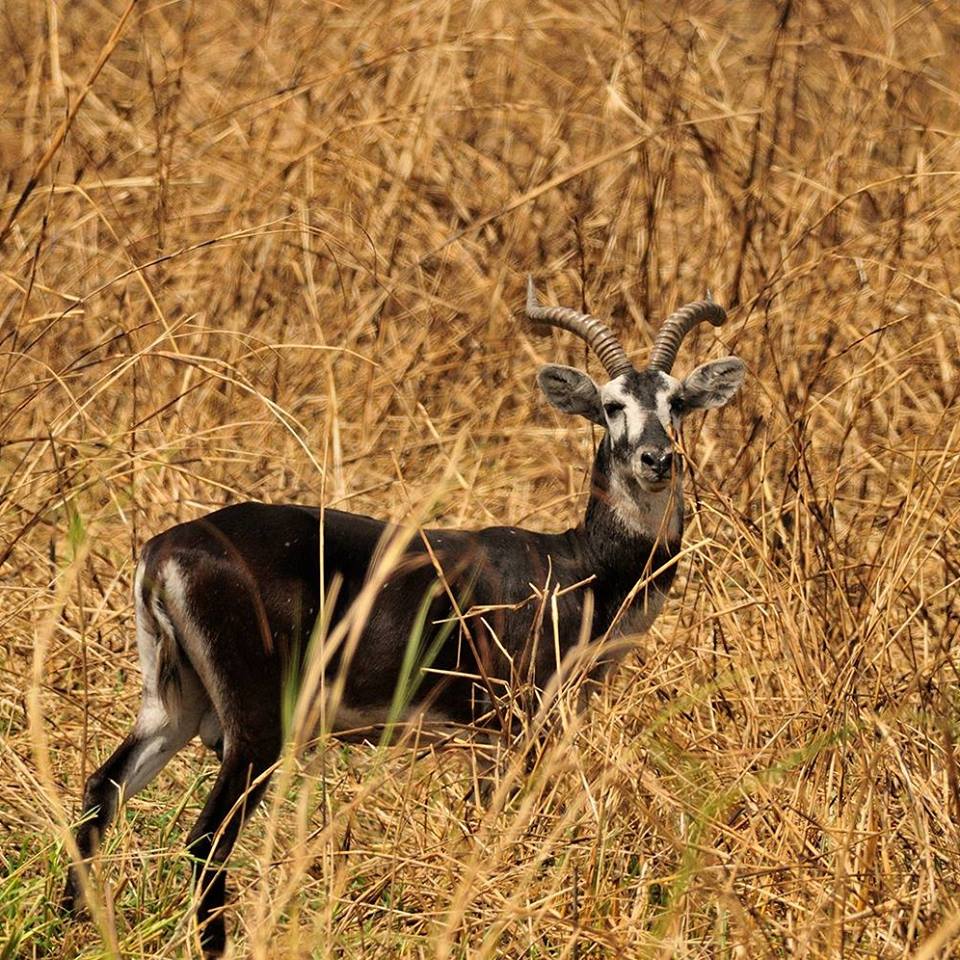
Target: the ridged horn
(677, 326)
(598, 336)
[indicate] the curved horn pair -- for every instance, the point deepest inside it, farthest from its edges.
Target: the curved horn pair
(605, 345)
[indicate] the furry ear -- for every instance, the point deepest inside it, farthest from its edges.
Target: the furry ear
(712, 384)
(571, 391)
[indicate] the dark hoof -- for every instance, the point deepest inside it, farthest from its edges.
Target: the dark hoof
(71, 903)
(213, 938)
(68, 903)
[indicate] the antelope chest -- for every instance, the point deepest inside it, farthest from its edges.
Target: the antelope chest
(639, 617)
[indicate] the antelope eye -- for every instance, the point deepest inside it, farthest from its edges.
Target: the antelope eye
(676, 404)
(612, 409)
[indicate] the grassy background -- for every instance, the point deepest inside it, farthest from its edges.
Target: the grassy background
(279, 254)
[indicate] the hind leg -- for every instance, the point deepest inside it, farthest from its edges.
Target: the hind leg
(233, 798)
(155, 738)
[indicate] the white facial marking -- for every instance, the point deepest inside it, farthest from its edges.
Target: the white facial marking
(631, 423)
(657, 515)
(667, 418)
(628, 424)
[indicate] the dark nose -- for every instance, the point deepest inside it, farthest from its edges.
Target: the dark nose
(657, 461)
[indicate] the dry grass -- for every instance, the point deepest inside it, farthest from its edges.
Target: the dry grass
(277, 252)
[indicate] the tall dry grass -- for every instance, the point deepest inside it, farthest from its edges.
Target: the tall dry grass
(275, 250)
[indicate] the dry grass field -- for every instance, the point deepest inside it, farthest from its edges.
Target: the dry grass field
(276, 250)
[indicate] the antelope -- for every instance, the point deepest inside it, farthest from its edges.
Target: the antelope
(226, 604)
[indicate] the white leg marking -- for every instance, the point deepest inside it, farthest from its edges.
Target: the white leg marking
(161, 733)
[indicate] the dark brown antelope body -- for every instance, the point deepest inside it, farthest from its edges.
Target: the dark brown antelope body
(226, 608)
